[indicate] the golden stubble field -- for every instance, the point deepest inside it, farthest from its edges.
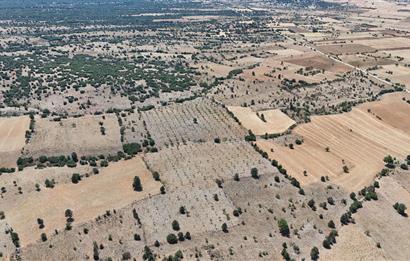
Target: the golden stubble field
(358, 140)
(275, 120)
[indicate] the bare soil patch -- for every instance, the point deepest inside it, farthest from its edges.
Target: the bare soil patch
(337, 49)
(111, 189)
(275, 120)
(320, 62)
(88, 135)
(12, 139)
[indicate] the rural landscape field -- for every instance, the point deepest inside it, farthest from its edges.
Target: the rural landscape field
(204, 130)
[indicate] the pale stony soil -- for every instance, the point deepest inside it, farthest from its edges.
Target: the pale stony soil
(276, 121)
(203, 212)
(397, 74)
(81, 135)
(29, 177)
(196, 163)
(12, 139)
(384, 224)
(175, 124)
(353, 244)
(386, 43)
(112, 188)
(119, 225)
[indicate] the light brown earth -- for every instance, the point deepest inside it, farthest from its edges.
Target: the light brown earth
(391, 109)
(111, 189)
(82, 135)
(320, 62)
(12, 139)
(345, 48)
(355, 139)
(391, 43)
(353, 244)
(276, 120)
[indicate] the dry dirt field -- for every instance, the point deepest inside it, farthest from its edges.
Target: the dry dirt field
(396, 73)
(82, 135)
(320, 62)
(337, 49)
(275, 120)
(260, 130)
(356, 139)
(395, 43)
(12, 139)
(111, 189)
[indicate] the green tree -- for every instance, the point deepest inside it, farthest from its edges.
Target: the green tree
(314, 253)
(75, 178)
(96, 254)
(331, 224)
(148, 255)
(43, 237)
(137, 184)
(156, 176)
(225, 228)
(254, 173)
(400, 208)
(175, 225)
(172, 239)
(283, 227)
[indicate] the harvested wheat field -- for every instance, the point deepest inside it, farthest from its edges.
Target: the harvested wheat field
(337, 49)
(275, 121)
(111, 189)
(391, 109)
(12, 139)
(356, 144)
(88, 135)
(392, 43)
(320, 62)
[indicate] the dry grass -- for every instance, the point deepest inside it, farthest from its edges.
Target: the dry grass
(12, 139)
(111, 189)
(82, 135)
(345, 48)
